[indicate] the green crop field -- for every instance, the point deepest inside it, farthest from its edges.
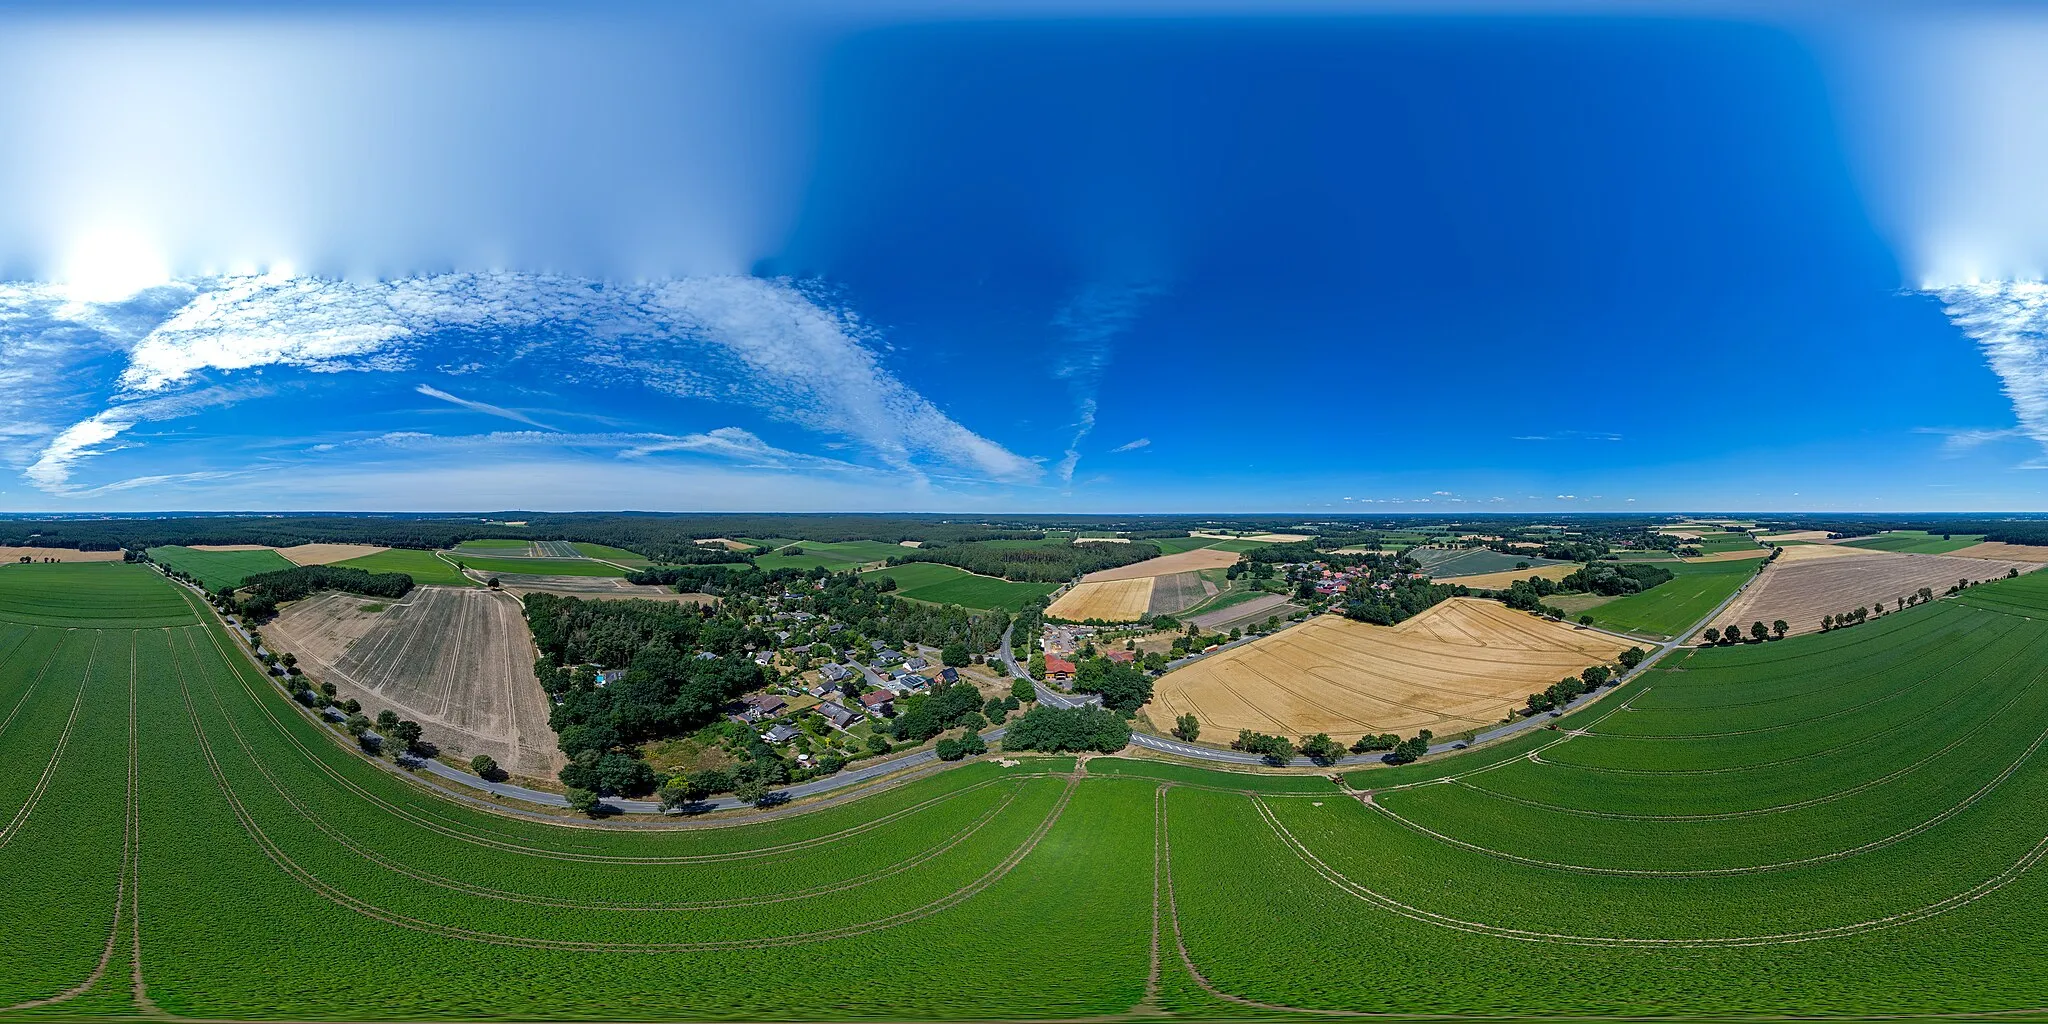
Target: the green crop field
(1176, 545)
(422, 566)
(1671, 606)
(1835, 824)
(489, 544)
(609, 553)
(944, 584)
(217, 569)
(537, 566)
(1915, 542)
(836, 557)
(1714, 543)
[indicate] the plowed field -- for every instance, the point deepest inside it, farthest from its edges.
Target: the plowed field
(1800, 592)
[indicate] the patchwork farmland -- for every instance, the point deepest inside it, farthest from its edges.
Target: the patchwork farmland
(457, 661)
(1463, 664)
(173, 821)
(1174, 594)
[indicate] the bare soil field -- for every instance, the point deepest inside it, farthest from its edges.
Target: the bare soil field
(328, 554)
(910, 543)
(457, 661)
(1166, 565)
(1172, 595)
(1816, 552)
(1464, 664)
(727, 543)
(1815, 536)
(1499, 580)
(1800, 592)
(2002, 551)
(1110, 601)
(60, 554)
(1237, 616)
(596, 588)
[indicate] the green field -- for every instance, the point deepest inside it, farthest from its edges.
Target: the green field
(1715, 542)
(1669, 607)
(944, 584)
(1915, 542)
(422, 566)
(1835, 824)
(1443, 562)
(537, 566)
(217, 569)
(836, 557)
(607, 552)
(489, 544)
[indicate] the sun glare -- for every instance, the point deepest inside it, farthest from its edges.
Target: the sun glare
(109, 264)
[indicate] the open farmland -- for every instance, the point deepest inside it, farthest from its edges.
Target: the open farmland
(1915, 542)
(8, 554)
(1500, 580)
(457, 661)
(1254, 610)
(1172, 595)
(1749, 838)
(1109, 601)
(1674, 605)
(600, 588)
(1800, 592)
(424, 568)
(327, 554)
(834, 557)
(1463, 664)
(494, 566)
(220, 567)
(1166, 565)
(2001, 551)
(945, 584)
(1730, 554)
(1440, 563)
(1802, 536)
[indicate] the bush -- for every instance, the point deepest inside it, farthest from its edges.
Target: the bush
(1021, 690)
(485, 767)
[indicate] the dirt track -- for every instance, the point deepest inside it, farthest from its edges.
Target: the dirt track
(456, 660)
(1801, 591)
(1460, 665)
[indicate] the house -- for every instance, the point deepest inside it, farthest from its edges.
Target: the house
(706, 656)
(606, 677)
(780, 734)
(916, 664)
(886, 657)
(1122, 657)
(911, 681)
(948, 676)
(839, 715)
(1058, 667)
(836, 673)
(766, 705)
(878, 702)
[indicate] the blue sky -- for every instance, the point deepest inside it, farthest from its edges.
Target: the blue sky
(1157, 258)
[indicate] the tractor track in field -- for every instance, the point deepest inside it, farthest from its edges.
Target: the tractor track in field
(487, 892)
(336, 895)
(35, 795)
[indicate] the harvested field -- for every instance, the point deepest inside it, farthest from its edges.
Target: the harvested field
(1807, 535)
(1166, 565)
(1263, 538)
(60, 554)
(1110, 601)
(1463, 664)
(910, 543)
(591, 586)
(1444, 563)
(1735, 555)
(1237, 616)
(327, 554)
(1172, 595)
(1500, 580)
(1800, 592)
(1998, 549)
(727, 543)
(459, 662)
(1813, 552)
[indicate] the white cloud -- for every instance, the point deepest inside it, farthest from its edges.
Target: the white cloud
(1090, 323)
(94, 435)
(1131, 446)
(739, 446)
(2009, 322)
(743, 340)
(1570, 435)
(482, 407)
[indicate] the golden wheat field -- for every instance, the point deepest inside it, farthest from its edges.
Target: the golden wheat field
(1110, 601)
(1463, 664)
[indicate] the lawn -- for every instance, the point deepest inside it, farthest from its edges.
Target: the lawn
(217, 569)
(537, 566)
(1829, 825)
(1915, 542)
(422, 566)
(1665, 609)
(944, 584)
